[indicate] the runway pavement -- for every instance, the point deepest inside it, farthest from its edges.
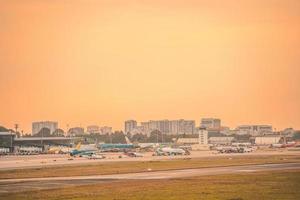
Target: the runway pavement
(52, 160)
(11, 185)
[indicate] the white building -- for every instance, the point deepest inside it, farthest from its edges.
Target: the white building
(130, 125)
(210, 123)
(174, 127)
(254, 130)
(187, 141)
(37, 126)
(200, 143)
(93, 129)
(203, 136)
(267, 140)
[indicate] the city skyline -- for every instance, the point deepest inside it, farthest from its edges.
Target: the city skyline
(154, 123)
(108, 61)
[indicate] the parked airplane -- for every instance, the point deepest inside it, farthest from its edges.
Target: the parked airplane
(86, 150)
(117, 147)
(147, 145)
(288, 144)
(167, 151)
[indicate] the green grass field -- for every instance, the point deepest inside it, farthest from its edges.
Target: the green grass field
(260, 186)
(140, 166)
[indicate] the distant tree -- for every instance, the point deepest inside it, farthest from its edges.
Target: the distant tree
(296, 135)
(58, 132)
(44, 132)
(139, 138)
(129, 135)
(3, 129)
(155, 136)
(118, 137)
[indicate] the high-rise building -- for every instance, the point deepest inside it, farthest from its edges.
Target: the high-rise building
(106, 130)
(138, 130)
(76, 131)
(174, 127)
(130, 125)
(37, 126)
(210, 123)
(93, 129)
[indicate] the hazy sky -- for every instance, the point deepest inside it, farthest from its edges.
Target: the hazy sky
(83, 62)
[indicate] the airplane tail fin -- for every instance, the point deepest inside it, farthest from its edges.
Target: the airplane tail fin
(127, 140)
(78, 146)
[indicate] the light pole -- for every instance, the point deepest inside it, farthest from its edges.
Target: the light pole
(16, 127)
(11, 136)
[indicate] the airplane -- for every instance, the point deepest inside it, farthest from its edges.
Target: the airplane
(86, 150)
(147, 145)
(168, 151)
(117, 147)
(288, 144)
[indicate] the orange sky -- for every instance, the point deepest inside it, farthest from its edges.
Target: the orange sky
(102, 62)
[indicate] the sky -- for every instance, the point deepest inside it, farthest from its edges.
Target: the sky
(84, 62)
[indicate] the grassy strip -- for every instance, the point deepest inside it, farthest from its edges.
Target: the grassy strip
(262, 185)
(141, 166)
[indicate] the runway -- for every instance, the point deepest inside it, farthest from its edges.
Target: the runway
(52, 160)
(27, 184)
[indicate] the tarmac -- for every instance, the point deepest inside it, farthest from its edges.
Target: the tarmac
(28, 184)
(48, 160)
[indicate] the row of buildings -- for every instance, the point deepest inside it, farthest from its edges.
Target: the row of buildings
(171, 127)
(53, 126)
(182, 126)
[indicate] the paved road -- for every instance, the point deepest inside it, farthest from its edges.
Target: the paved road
(10, 185)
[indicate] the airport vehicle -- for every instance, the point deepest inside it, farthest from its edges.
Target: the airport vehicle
(248, 149)
(231, 149)
(133, 154)
(96, 156)
(59, 150)
(29, 150)
(4, 151)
